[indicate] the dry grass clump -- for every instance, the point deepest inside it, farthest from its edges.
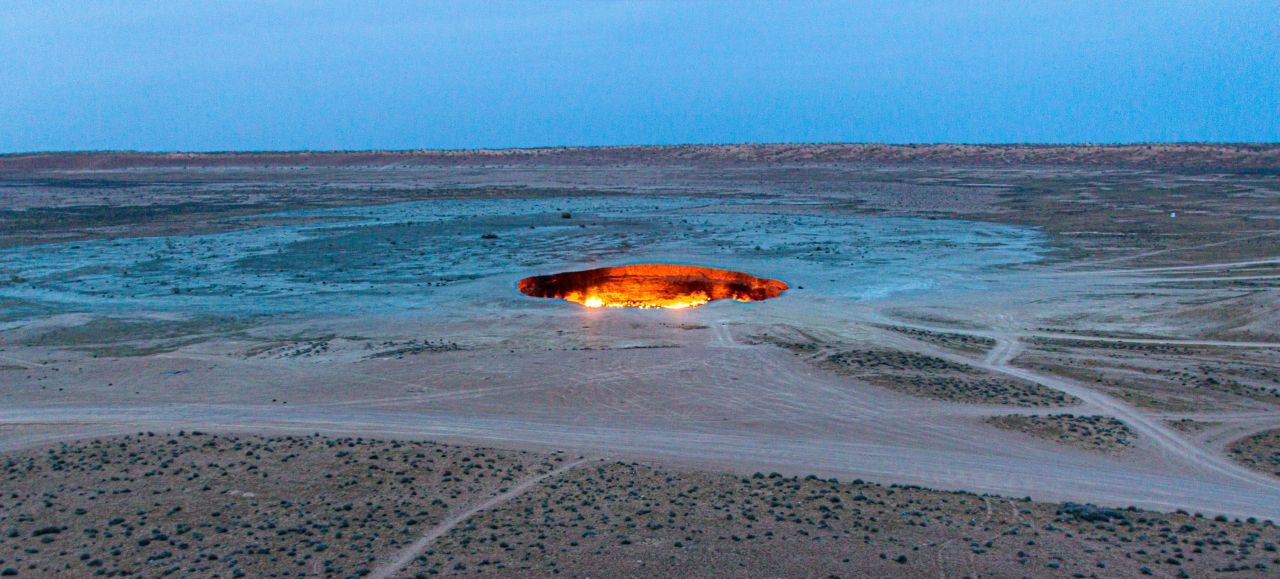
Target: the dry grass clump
(931, 377)
(236, 506)
(1177, 378)
(962, 342)
(922, 375)
(211, 505)
(626, 519)
(1099, 433)
(1189, 426)
(1260, 452)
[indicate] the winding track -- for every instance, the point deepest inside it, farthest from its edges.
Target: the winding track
(1167, 439)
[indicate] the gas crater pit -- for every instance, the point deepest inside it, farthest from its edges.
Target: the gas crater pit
(652, 285)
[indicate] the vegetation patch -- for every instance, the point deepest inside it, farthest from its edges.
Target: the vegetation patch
(1097, 433)
(400, 349)
(1161, 377)
(627, 519)
(1260, 452)
(931, 377)
(1189, 426)
(920, 374)
(205, 505)
(962, 342)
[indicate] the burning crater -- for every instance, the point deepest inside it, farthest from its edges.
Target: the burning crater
(652, 285)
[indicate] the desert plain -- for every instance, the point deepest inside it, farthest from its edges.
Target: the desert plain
(991, 361)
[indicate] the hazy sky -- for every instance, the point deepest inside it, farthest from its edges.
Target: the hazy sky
(192, 75)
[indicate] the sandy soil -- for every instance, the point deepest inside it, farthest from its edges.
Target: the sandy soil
(196, 504)
(361, 298)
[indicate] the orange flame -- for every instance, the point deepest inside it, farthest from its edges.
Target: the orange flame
(653, 285)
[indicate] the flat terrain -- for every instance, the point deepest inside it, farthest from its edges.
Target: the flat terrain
(950, 306)
(195, 504)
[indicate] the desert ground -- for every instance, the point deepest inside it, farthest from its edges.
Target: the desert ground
(992, 361)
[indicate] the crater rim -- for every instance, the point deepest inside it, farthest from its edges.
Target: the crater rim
(651, 286)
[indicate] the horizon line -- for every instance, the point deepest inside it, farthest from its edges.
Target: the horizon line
(1011, 144)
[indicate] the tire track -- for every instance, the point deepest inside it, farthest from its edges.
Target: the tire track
(408, 554)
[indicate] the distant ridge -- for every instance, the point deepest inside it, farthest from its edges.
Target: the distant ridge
(1167, 155)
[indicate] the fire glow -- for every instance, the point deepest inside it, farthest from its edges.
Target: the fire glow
(652, 285)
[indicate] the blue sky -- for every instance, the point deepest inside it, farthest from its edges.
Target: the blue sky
(228, 75)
